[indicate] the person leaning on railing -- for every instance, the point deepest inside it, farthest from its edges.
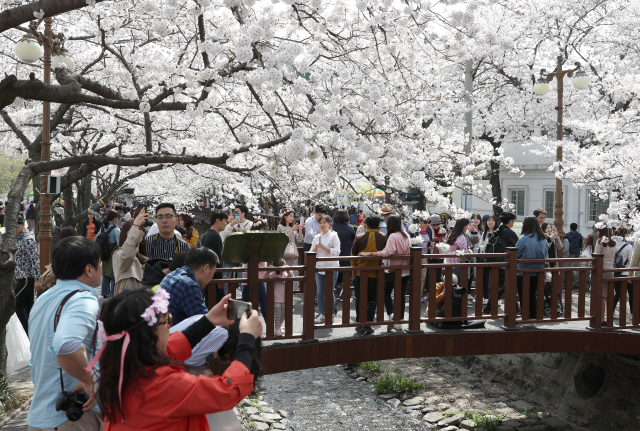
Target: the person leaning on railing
(531, 245)
(398, 243)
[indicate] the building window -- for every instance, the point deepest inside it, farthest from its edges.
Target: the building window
(549, 202)
(517, 199)
(593, 212)
(467, 203)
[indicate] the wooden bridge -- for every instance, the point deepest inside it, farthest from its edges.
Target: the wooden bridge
(577, 329)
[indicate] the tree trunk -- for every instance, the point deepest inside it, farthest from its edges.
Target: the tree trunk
(496, 189)
(7, 262)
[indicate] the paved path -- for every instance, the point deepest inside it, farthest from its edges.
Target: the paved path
(19, 423)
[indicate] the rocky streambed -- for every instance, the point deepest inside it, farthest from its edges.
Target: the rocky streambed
(449, 398)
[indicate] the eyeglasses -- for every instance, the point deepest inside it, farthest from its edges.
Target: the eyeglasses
(168, 322)
(165, 216)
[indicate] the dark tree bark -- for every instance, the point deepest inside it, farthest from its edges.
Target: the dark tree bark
(22, 14)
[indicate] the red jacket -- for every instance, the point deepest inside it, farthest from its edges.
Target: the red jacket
(173, 400)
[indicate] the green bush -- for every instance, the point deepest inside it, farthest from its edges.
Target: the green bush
(8, 400)
(371, 367)
(486, 420)
(388, 384)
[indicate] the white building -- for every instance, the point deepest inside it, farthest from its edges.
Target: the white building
(537, 189)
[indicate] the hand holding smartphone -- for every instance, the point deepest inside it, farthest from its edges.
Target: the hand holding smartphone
(235, 309)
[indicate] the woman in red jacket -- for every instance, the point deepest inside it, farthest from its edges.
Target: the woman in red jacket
(141, 386)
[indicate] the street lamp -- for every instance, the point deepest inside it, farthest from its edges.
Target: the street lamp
(541, 87)
(29, 49)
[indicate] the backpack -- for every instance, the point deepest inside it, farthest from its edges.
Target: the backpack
(103, 241)
(618, 263)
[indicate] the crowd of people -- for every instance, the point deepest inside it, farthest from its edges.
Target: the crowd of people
(153, 274)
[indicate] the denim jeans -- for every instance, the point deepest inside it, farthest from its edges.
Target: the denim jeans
(320, 280)
(108, 285)
(262, 297)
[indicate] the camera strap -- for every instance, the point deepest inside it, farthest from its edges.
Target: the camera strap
(56, 319)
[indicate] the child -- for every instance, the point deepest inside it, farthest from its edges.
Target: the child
(278, 294)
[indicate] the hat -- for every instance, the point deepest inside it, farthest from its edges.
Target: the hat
(20, 218)
(435, 219)
(452, 224)
(386, 209)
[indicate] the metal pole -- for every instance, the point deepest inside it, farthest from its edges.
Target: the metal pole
(558, 220)
(44, 235)
(468, 86)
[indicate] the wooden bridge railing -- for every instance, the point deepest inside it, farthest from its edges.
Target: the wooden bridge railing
(531, 281)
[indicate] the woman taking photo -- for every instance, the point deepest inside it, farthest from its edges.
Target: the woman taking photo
(191, 235)
(398, 244)
(531, 245)
(108, 280)
(91, 225)
(128, 263)
(555, 245)
(289, 226)
(490, 226)
(457, 241)
(141, 386)
(326, 243)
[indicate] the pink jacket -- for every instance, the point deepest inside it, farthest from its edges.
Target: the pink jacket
(278, 286)
(396, 245)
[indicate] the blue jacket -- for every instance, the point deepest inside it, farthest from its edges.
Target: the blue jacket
(346, 234)
(530, 247)
(97, 222)
(575, 242)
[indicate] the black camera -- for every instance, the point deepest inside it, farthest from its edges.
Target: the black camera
(72, 403)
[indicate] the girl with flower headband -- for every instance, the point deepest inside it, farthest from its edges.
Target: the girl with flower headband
(142, 387)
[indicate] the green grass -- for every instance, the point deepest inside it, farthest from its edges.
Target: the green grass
(486, 420)
(388, 384)
(525, 360)
(8, 400)
(450, 414)
(371, 367)
(425, 366)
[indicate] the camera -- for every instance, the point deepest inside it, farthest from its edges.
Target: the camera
(72, 403)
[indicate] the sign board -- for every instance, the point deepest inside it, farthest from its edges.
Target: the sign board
(269, 245)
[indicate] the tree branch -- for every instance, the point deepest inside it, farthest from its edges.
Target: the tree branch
(19, 15)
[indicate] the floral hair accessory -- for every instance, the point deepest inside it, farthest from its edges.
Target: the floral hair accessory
(160, 305)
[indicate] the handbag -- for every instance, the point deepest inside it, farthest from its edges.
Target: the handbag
(290, 252)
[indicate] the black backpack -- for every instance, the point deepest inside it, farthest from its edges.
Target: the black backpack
(103, 241)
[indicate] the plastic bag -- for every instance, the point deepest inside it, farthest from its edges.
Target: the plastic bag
(18, 346)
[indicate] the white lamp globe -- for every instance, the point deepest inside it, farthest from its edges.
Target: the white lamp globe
(581, 80)
(28, 50)
(63, 58)
(541, 87)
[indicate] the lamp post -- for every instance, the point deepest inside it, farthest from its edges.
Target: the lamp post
(29, 50)
(541, 87)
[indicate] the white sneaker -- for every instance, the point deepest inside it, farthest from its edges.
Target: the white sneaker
(319, 319)
(277, 333)
(390, 326)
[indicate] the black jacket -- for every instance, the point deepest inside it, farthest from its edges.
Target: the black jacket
(86, 223)
(503, 237)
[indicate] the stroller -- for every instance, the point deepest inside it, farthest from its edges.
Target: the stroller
(547, 297)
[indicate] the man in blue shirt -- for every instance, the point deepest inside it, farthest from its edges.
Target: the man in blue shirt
(575, 240)
(76, 264)
(311, 226)
(185, 284)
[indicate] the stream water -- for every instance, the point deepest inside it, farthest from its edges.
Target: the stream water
(328, 399)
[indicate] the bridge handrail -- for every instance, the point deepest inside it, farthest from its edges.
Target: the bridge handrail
(560, 286)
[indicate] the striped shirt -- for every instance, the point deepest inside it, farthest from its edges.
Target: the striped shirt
(159, 247)
(203, 351)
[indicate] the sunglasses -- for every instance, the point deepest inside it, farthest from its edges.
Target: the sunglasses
(168, 322)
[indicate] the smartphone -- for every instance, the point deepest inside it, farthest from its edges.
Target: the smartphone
(236, 308)
(141, 207)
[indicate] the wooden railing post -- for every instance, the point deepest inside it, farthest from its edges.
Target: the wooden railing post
(597, 279)
(309, 306)
(510, 288)
(415, 290)
(252, 282)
